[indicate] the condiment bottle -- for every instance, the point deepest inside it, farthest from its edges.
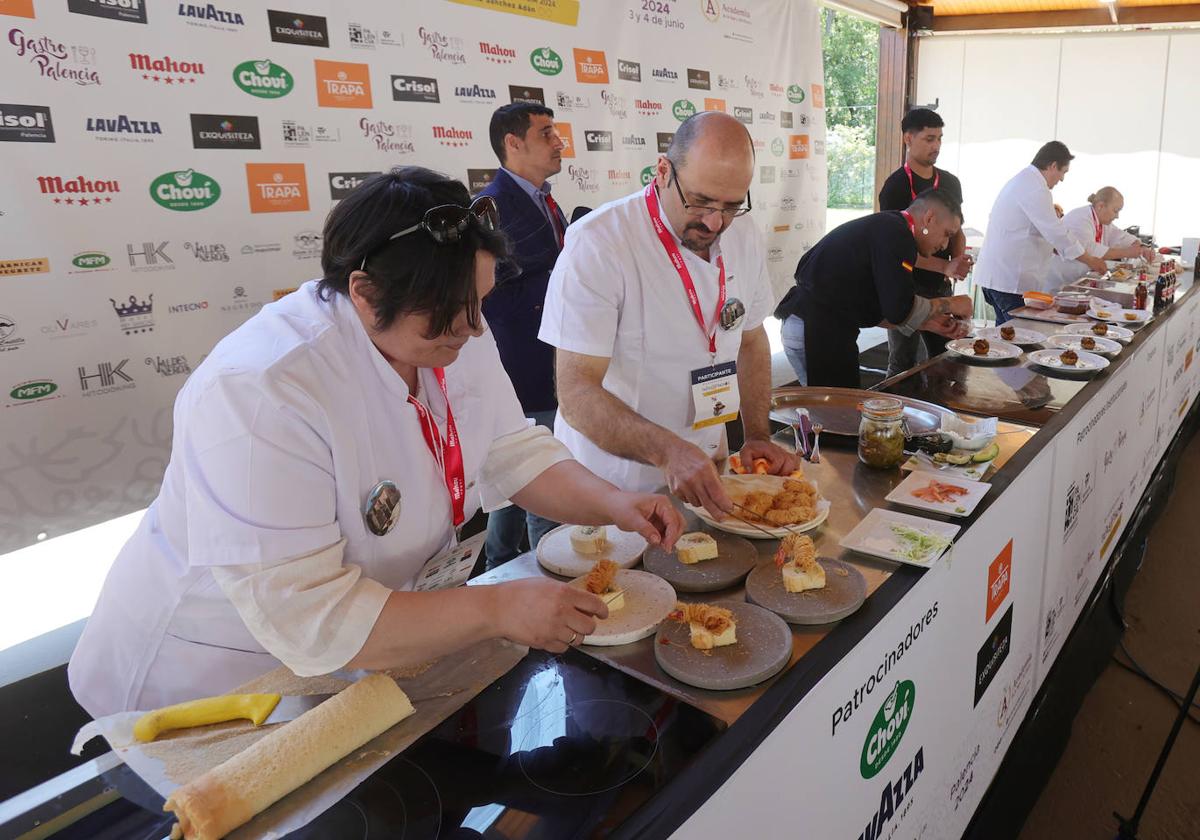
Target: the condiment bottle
(1140, 294)
(880, 435)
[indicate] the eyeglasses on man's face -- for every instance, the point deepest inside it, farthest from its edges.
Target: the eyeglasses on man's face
(702, 210)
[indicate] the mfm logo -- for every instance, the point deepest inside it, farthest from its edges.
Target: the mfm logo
(165, 70)
(448, 135)
(263, 79)
(442, 47)
(496, 53)
(415, 89)
(647, 107)
(291, 28)
(223, 131)
(568, 139)
(395, 138)
(185, 190)
(56, 60)
(999, 581)
(88, 261)
(26, 124)
(33, 391)
(591, 67)
(129, 11)
(342, 84)
(78, 191)
(123, 129)
(341, 184)
(107, 379)
(798, 146)
(598, 141)
(277, 187)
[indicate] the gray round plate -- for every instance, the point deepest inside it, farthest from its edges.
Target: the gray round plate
(762, 650)
(844, 592)
(735, 558)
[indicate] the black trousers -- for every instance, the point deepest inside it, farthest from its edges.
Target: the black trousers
(832, 354)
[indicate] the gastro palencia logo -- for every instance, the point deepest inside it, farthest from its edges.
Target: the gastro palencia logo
(263, 79)
(683, 108)
(795, 94)
(546, 61)
(185, 190)
(887, 728)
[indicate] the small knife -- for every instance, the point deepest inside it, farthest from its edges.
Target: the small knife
(804, 436)
(259, 709)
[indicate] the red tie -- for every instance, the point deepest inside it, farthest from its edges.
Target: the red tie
(555, 219)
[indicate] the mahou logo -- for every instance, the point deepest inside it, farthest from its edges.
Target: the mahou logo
(263, 79)
(591, 67)
(496, 53)
(546, 61)
(448, 135)
(647, 107)
(78, 191)
(56, 60)
(165, 70)
(277, 187)
(184, 190)
(341, 84)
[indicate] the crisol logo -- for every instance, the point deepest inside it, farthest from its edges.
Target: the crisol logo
(185, 190)
(546, 61)
(683, 108)
(263, 79)
(91, 260)
(887, 729)
(33, 390)
(795, 94)
(647, 175)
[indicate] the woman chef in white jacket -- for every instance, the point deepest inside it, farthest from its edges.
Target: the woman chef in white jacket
(328, 449)
(1093, 226)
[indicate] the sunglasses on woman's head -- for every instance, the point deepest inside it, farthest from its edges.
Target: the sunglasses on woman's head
(446, 223)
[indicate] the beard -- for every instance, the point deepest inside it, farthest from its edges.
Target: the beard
(697, 237)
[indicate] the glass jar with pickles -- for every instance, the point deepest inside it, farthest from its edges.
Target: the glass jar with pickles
(880, 435)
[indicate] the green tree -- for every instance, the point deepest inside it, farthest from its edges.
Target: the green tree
(851, 49)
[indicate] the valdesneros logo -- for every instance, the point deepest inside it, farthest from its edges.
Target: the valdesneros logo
(497, 53)
(122, 128)
(107, 379)
(795, 94)
(263, 79)
(130, 11)
(26, 124)
(169, 365)
(396, 138)
(415, 89)
(445, 48)
(682, 109)
(647, 175)
(585, 179)
(529, 95)
(225, 131)
(992, 654)
(291, 28)
(629, 71)
(135, 317)
(475, 94)
(598, 141)
(208, 16)
(546, 61)
(887, 729)
(56, 60)
(33, 391)
(448, 135)
(165, 70)
(208, 251)
(341, 184)
(184, 190)
(78, 191)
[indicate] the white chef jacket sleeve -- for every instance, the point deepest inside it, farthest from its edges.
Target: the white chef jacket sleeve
(583, 300)
(1040, 212)
(1118, 238)
(762, 300)
(1080, 224)
(312, 613)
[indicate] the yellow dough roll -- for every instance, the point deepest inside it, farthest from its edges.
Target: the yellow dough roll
(230, 794)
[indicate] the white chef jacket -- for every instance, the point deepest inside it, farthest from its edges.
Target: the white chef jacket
(1082, 223)
(279, 437)
(615, 294)
(1023, 232)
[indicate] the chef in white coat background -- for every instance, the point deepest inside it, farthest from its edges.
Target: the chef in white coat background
(1023, 232)
(1092, 224)
(656, 307)
(324, 453)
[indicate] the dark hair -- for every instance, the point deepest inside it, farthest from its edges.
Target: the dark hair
(919, 119)
(513, 119)
(413, 273)
(1052, 152)
(939, 197)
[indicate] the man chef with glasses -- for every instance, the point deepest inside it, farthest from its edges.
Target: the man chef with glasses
(656, 306)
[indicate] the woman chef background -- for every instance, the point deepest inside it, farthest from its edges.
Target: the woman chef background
(328, 449)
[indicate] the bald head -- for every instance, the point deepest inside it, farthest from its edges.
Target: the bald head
(711, 136)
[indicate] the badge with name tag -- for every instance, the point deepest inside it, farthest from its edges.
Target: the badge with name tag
(450, 568)
(715, 395)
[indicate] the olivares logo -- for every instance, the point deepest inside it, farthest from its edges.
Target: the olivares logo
(887, 729)
(263, 79)
(185, 190)
(546, 61)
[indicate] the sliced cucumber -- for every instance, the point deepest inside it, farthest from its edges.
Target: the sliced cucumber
(952, 458)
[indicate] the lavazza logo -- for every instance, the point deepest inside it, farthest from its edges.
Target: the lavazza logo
(165, 70)
(26, 124)
(207, 251)
(123, 128)
(584, 178)
(209, 16)
(629, 71)
(415, 89)
(598, 141)
(496, 53)
(616, 104)
(55, 59)
(395, 138)
(633, 141)
(475, 94)
(341, 184)
(444, 48)
(664, 74)
(448, 135)
(78, 191)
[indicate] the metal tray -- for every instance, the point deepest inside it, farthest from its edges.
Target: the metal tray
(837, 409)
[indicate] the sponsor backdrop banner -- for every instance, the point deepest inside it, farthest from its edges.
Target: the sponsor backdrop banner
(168, 167)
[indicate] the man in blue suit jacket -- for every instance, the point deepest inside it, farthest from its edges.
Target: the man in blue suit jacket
(530, 151)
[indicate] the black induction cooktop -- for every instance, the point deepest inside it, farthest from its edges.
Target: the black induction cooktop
(560, 747)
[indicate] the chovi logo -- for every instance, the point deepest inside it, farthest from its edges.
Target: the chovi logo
(683, 108)
(546, 61)
(795, 94)
(185, 190)
(263, 79)
(887, 729)
(647, 175)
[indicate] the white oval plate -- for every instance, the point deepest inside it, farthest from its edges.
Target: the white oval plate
(556, 555)
(768, 484)
(1119, 333)
(1067, 341)
(1088, 362)
(1023, 336)
(999, 351)
(648, 600)
(1116, 315)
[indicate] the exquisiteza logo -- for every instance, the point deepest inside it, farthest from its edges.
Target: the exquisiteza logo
(26, 124)
(222, 131)
(185, 190)
(341, 184)
(449, 135)
(496, 53)
(165, 70)
(78, 191)
(122, 128)
(528, 95)
(208, 251)
(129, 11)
(546, 61)
(263, 79)
(699, 79)
(992, 653)
(415, 89)
(342, 84)
(664, 139)
(477, 179)
(277, 187)
(887, 729)
(682, 109)
(291, 28)
(55, 59)
(795, 94)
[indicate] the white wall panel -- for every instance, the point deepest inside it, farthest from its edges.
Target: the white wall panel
(940, 79)
(1179, 172)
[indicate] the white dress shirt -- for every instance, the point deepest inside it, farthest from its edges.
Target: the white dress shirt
(255, 552)
(1023, 232)
(615, 294)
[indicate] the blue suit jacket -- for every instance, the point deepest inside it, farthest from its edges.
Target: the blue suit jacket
(514, 308)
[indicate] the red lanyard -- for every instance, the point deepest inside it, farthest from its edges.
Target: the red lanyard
(937, 179)
(912, 226)
(1096, 222)
(448, 452)
(668, 241)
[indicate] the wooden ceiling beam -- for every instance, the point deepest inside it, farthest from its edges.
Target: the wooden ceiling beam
(1099, 16)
